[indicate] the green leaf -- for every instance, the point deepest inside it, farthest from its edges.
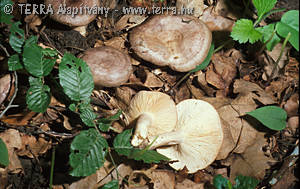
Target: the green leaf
(4, 160)
(49, 52)
(16, 37)
(88, 151)
(123, 147)
(34, 61)
(220, 182)
(72, 107)
(88, 117)
(114, 184)
(38, 95)
(14, 63)
(75, 77)
(105, 123)
(289, 23)
(245, 182)
(263, 6)
(267, 32)
(244, 31)
(272, 117)
(5, 18)
(205, 63)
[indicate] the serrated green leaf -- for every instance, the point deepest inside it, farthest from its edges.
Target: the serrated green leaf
(14, 63)
(245, 182)
(267, 32)
(88, 117)
(4, 160)
(114, 184)
(75, 77)
(123, 147)
(263, 6)
(272, 117)
(34, 61)
(289, 23)
(105, 123)
(205, 63)
(221, 183)
(5, 18)
(16, 37)
(38, 95)
(243, 31)
(88, 151)
(49, 52)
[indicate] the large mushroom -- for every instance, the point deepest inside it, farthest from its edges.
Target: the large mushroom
(153, 113)
(110, 67)
(180, 42)
(197, 138)
(77, 20)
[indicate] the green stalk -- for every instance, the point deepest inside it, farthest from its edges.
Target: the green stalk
(280, 55)
(52, 167)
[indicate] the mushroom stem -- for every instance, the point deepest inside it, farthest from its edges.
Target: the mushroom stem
(166, 139)
(141, 130)
(81, 30)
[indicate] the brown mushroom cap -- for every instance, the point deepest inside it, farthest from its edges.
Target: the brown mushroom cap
(180, 42)
(109, 66)
(67, 19)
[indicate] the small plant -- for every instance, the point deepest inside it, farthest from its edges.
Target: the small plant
(241, 182)
(288, 27)
(89, 148)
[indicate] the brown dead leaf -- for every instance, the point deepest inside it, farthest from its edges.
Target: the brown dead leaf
(196, 5)
(163, 179)
(292, 105)
(33, 21)
(252, 162)
(203, 84)
(216, 22)
(129, 21)
(152, 80)
(293, 124)
(5, 83)
(188, 184)
(122, 97)
(12, 139)
(228, 9)
(182, 93)
(88, 182)
(20, 119)
(221, 72)
(33, 147)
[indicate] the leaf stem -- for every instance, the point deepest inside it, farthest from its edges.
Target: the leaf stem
(278, 59)
(52, 167)
(115, 166)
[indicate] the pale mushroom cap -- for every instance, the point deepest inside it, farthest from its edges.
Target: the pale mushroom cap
(78, 20)
(109, 66)
(202, 136)
(180, 42)
(159, 106)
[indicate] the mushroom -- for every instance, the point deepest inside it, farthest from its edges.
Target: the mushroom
(153, 112)
(110, 67)
(197, 138)
(180, 42)
(78, 17)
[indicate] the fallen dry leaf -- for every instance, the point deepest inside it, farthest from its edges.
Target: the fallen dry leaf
(5, 86)
(252, 162)
(33, 147)
(196, 5)
(129, 21)
(162, 179)
(216, 22)
(292, 105)
(12, 139)
(20, 119)
(33, 21)
(152, 80)
(188, 184)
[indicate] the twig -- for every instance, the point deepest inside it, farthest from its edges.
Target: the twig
(4, 49)
(13, 97)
